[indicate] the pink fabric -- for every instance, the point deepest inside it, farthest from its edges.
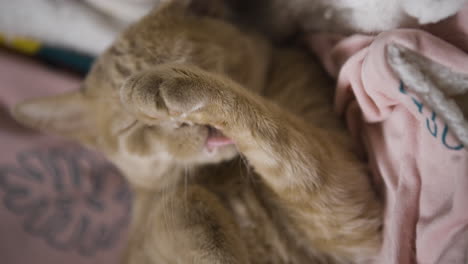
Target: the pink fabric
(421, 168)
(59, 203)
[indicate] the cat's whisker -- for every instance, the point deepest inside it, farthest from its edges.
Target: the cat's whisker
(167, 213)
(186, 172)
(246, 165)
(171, 214)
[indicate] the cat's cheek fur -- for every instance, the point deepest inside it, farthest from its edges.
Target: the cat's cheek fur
(153, 172)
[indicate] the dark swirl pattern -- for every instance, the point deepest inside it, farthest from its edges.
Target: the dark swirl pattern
(67, 196)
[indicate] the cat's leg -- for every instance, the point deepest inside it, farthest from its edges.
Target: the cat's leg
(325, 187)
(184, 225)
(271, 137)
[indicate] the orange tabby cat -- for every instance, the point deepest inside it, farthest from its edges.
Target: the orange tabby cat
(175, 102)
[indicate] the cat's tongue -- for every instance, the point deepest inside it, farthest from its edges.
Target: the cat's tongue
(217, 139)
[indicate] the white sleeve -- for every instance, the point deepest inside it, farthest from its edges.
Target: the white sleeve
(65, 23)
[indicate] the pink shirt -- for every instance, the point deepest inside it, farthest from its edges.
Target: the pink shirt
(421, 167)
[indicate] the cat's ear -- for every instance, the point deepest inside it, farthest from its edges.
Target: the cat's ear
(66, 114)
(206, 8)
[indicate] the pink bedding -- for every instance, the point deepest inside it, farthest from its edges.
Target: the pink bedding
(59, 203)
(421, 168)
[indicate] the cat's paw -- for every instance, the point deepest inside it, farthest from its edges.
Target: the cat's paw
(174, 93)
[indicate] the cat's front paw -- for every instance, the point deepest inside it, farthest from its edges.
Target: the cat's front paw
(173, 92)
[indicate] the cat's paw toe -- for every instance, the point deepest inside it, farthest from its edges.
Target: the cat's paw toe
(182, 96)
(140, 95)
